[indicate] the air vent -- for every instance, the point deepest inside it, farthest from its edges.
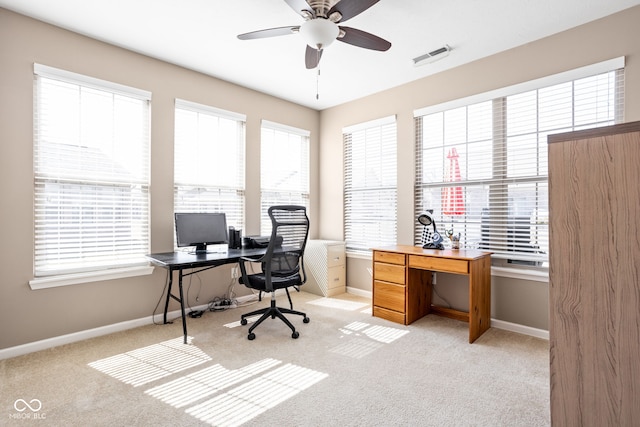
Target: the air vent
(432, 56)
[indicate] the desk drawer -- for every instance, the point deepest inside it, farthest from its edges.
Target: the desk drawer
(439, 264)
(335, 255)
(391, 315)
(335, 277)
(389, 295)
(388, 257)
(388, 272)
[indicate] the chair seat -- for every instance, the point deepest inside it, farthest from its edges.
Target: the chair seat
(258, 281)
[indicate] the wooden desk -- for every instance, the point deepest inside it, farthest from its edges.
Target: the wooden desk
(402, 286)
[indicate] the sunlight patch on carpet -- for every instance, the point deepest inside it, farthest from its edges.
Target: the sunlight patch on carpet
(206, 382)
(237, 322)
(254, 397)
(339, 304)
(356, 347)
(360, 339)
(384, 334)
(147, 364)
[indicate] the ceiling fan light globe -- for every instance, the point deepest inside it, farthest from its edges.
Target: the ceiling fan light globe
(319, 33)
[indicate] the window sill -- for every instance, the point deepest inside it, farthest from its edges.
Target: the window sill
(523, 274)
(513, 273)
(359, 254)
(94, 276)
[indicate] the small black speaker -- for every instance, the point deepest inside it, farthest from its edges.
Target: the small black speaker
(235, 238)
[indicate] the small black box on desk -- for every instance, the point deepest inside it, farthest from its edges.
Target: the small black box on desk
(252, 242)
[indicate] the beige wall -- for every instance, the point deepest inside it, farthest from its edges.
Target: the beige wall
(26, 315)
(614, 36)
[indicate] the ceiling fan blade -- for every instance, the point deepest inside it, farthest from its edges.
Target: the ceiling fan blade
(269, 32)
(312, 57)
(299, 6)
(363, 39)
(350, 8)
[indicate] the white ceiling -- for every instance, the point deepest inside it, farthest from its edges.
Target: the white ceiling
(201, 35)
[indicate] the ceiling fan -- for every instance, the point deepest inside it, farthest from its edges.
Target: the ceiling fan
(321, 27)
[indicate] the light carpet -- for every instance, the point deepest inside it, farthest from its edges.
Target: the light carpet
(347, 368)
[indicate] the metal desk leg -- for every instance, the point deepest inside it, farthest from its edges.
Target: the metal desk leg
(184, 318)
(180, 300)
(166, 304)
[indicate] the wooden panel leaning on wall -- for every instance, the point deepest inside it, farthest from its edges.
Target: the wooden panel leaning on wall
(594, 288)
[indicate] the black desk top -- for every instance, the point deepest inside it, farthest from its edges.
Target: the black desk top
(175, 260)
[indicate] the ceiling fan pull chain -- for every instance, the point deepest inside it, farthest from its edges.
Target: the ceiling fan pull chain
(318, 75)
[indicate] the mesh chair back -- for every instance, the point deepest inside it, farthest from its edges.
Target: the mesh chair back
(291, 224)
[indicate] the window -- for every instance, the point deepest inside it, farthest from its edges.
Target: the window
(284, 169)
(482, 165)
(370, 184)
(209, 161)
(91, 167)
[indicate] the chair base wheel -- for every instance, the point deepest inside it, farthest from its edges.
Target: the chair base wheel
(273, 312)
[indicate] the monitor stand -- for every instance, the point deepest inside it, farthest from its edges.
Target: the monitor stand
(202, 249)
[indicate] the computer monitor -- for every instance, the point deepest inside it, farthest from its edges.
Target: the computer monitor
(200, 230)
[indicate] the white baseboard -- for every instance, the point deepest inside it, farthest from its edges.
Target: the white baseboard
(248, 298)
(498, 324)
(97, 332)
(78, 336)
(359, 292)
(130, 324)
(521, 329)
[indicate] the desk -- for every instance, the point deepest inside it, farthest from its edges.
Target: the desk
(180, 261)
(402, 286)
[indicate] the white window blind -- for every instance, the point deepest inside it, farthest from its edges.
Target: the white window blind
(91, 169)
(482, 167)
(370, 184)
(209, 155)
(284, 169)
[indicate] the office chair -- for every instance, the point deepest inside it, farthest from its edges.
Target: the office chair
(282, 264)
